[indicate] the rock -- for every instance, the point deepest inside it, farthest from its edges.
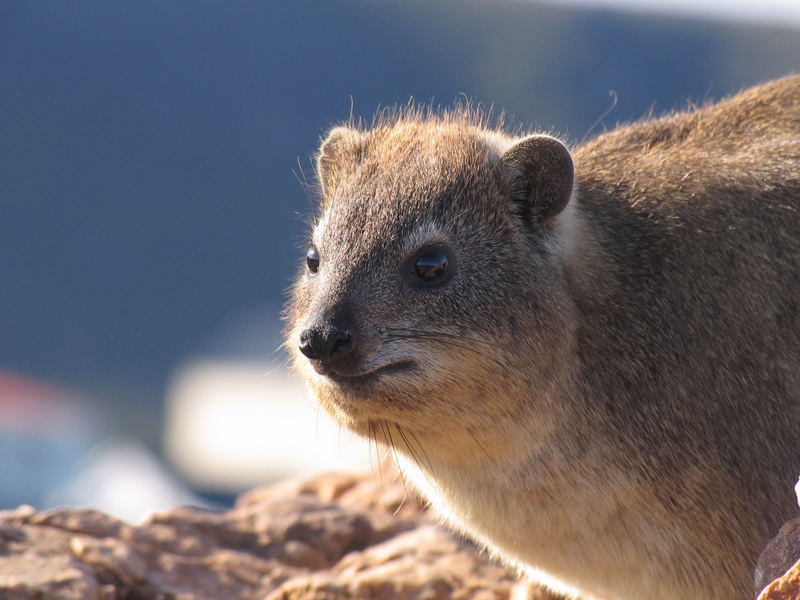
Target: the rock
(786, 587)
(780, 554)
(778, 569)
(334, 536)
(34, 575)
(424, 564)
(111, 555)
(83, 520)
(346, 489)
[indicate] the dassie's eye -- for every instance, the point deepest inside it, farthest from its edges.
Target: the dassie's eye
(312, 259)
(432, 265)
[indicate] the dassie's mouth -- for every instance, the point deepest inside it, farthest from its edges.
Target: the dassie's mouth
(359, 379)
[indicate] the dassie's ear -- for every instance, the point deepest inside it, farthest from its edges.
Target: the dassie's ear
(340, 148)
(540, 175)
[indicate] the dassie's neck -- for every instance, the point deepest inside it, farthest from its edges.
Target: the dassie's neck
(582, 241)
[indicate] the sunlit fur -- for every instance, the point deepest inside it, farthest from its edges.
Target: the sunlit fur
(609, 397)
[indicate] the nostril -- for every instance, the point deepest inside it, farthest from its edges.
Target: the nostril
(325, 343)
(342, 345)
(306, 348)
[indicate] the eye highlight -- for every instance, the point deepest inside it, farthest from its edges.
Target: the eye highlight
(312, 259)
(432, 266)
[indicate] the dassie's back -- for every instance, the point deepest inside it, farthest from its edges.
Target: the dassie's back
(701, 212)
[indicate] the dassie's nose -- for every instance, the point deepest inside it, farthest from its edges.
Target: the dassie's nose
(325, 343)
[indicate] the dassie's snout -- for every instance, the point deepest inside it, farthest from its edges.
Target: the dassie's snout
(326, 342)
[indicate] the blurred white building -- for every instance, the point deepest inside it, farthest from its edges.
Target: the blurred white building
(231, 425)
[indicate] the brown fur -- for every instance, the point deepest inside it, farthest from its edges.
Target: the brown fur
(606, 395)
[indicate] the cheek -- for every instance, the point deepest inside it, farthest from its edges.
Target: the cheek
(298, 306)
(303, 294)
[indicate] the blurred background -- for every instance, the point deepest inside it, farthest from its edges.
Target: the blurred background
(152, 155)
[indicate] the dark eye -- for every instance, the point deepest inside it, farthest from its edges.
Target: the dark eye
(432, 265)
(312, 259)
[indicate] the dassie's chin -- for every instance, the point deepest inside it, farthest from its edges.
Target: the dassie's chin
(355, 400)
(354, 411)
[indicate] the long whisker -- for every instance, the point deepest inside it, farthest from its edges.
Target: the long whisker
(378, 459)
(418, 447)
(370, 438)
(390, 441)
(414, 454)
(394, 453)
(410, 447)
(399, 468)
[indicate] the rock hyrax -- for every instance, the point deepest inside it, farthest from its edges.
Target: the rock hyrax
(592, 370)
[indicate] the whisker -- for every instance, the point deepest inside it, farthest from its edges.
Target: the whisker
(387, 442)
(370, 436)
(410, 447)
(420, 447)
(416, 458)
(377, 451)
(389, 439)
(399, 468)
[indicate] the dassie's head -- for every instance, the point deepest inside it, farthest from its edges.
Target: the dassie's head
(433, 300)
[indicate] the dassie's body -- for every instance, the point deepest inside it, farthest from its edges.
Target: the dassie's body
(604, 385)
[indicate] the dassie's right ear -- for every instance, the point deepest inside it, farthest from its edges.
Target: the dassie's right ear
(540, 176)
(341, 148)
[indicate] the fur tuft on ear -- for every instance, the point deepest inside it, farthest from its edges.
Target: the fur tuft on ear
(339, 148)
(540, 175)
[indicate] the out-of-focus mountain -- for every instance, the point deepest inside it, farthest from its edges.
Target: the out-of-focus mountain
(148, 149)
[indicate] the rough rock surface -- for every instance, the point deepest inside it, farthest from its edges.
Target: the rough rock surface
(331, 537)
(778, 570)
(780, 554)
(786, 587)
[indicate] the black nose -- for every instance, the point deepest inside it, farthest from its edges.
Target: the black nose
(325, 343)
